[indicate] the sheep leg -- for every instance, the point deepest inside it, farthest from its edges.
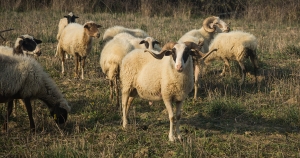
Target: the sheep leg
(117, 91)
(178, 116)
(82, 65)
(196, 84)
(111, 85)
(243, 73)
(76, 64)
(171, 118)
(9, 110)
(29, 112)
(226, 63)
(255, 65)
(125, 97)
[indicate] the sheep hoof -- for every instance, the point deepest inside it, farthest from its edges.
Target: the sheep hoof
(171, 138)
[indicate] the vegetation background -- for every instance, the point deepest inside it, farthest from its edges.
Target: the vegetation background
(225, 121)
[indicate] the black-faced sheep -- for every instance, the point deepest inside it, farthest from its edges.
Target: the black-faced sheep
(114, 51)
(25, 44)
(204, 35)
(22, 77)
(77, 40)
(235, 45)
(113, 31)
(166, 75)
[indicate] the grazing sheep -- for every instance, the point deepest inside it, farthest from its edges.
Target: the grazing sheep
(70, 18)
(25, 44)
(235, 45)
(166, 75)
(204, 35)
(113, 31)
(114, 51)
(22, 77)
(77, 40)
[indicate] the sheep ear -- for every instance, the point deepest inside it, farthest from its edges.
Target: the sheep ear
(37, 41)
(156, 42)
(168, 52)
(76, 17)
(142, 42)
(98, 26)
(194, 52)
(66, 16)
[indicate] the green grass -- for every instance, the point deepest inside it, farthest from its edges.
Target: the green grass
(226, 121)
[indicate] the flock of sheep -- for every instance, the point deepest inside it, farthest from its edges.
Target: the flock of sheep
(132, 61)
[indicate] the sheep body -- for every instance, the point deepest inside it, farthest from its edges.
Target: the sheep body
(23, 78)
(114, 51)
(237, 46)
(77, 41)
(167, 79)
(113, 31)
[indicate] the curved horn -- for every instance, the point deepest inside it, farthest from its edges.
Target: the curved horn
(207, 54)
(206, 23)
(196, 47)
(167, 47)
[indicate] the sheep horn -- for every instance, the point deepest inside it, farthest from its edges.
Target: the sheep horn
(196, 47)
(167, 47)
(157, 56)
(207, 54)
(206, 23)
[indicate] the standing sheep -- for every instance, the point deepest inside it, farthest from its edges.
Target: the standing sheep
(70, 18)
(23, 78)
(167, 76)
(77, 40)
(113, 31)
(114, 51)
(235, 45)
(204, 35)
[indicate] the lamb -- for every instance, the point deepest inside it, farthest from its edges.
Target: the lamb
(113, 31)
(235, 45)
(22, 77)
(167, 76)
(77, 40)
(114, 51)
(70, 18)
(204, 35)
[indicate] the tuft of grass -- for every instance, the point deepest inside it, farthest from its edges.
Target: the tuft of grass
(224, 108)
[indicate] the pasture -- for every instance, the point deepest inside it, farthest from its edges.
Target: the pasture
(227, 120)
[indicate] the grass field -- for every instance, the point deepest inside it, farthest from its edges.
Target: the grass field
(226, 121)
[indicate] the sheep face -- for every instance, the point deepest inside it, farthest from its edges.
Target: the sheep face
(147, 41)
(28, 43)
(92, 29)
(224, 27)
(71, 17)
(59, 114)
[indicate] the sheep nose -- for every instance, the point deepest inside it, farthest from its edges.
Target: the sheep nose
(178, 67)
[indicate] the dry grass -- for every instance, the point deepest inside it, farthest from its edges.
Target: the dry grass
(226, 121)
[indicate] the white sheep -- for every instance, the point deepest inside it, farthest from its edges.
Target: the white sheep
(77, 40)
(235, 45)
(204, 35)
(113, 31)
(114, 51)
(166, 75)
(25, 44)
(22, 77)
(70, 18)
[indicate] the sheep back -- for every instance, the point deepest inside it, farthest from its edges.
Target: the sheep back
(232, 45)
(113, 31)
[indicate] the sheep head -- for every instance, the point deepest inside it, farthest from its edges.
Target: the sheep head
(92, 29)
(224, 27)
(179, 51)
(149, 42)
(60, 112)
(71, 17)
(209, 24)
(25, 43)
